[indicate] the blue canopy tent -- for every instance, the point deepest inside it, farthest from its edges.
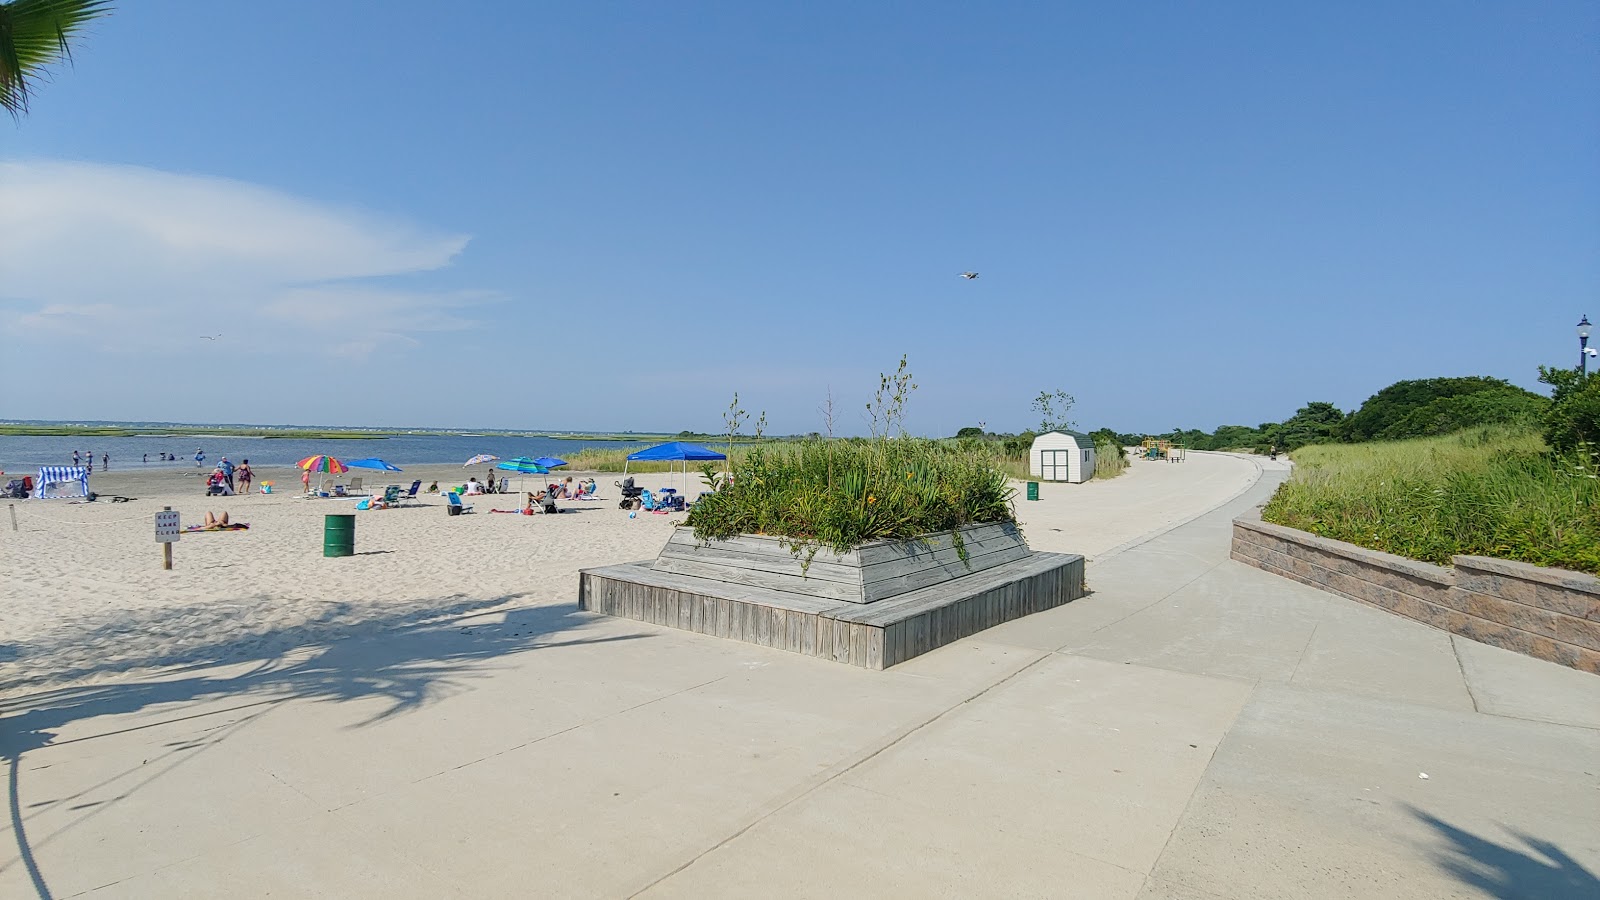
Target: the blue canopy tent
(673, 452)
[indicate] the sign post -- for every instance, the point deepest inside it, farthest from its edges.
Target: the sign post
(167, 531)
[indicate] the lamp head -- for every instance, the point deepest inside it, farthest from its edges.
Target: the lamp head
(1583, 327)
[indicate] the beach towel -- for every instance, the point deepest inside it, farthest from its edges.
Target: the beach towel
(232, 526)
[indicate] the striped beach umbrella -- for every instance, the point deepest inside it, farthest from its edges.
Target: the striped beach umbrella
(480, 459)
(523, 466)
(324, 464)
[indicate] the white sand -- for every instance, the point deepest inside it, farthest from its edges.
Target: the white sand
(83, 596)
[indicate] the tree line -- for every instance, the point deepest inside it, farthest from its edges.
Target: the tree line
(1405, 409)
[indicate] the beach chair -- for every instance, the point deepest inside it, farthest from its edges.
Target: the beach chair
(391, 494)
(456, 506)
(411, 495)
(355, 486)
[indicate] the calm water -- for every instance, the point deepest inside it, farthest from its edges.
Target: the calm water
(19, 454)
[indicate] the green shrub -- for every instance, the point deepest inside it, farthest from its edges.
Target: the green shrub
(1572, 422)
(1493, 491)
(841, 494)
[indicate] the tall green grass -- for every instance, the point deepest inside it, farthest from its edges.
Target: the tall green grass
(603, 459)
(1109, 461)
(841, 494)
(1492, 491)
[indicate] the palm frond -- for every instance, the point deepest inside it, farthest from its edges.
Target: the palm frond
(34, 34)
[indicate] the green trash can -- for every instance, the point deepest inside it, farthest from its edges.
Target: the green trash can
(339, 535)
(1033, 490)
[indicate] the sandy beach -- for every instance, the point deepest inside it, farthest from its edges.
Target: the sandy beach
(84, 598)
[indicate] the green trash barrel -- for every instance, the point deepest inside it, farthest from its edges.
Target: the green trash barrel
(339, 535)
(1033, 490)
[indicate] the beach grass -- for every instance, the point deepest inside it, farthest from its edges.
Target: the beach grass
(1493, 491)
(1109, 461)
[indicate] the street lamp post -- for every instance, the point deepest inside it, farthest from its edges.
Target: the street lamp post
(1583, 345)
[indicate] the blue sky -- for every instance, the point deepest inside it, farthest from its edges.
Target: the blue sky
(606, 216)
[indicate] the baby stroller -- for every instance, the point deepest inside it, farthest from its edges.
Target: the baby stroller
(630, 494)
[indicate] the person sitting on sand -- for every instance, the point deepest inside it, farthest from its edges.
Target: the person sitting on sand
(433, 488)
(474, 488)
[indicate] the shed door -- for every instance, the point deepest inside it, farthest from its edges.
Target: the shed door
(1053, 464)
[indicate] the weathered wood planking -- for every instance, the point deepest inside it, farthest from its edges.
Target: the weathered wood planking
(875, 637)
(870, 574)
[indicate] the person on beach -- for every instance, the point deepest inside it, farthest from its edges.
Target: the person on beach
(245, 476)
(215, 521)
(199, 458)
(147, 458)
(105, 462)
(227, 470)
(305, 480)
(76, 459)
(433, 488)
(474, 488)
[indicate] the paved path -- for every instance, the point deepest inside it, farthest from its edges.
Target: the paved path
(1195, 728)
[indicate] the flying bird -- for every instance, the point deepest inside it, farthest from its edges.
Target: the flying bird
(969, 275)
(207, 337)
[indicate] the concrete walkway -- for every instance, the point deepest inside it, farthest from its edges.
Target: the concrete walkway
(1195, 728)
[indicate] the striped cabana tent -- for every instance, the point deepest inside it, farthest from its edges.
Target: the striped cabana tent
(57, 482)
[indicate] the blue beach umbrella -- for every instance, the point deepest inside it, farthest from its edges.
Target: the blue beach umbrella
(550, 462)
(523, 466)
(372, 463)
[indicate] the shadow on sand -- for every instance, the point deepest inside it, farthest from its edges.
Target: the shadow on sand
(1525, 868)
(406, 662)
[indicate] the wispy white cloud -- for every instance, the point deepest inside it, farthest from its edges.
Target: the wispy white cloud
(142, 259)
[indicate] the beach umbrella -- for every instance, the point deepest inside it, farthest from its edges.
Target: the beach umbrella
(372, 463)
(480, 459)
(523, 466)
(551, 462)
(325, 465)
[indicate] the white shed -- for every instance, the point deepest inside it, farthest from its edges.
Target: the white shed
(1062, 456)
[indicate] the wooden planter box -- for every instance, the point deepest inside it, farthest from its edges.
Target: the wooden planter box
(866, 574)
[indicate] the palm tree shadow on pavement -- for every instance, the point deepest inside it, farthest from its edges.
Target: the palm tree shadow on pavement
(403, 661)
(1538, 870)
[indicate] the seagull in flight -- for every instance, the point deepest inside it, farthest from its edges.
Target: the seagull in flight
(207, 337)
(970, 276)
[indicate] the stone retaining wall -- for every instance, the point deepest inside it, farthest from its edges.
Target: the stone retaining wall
(1551, 614)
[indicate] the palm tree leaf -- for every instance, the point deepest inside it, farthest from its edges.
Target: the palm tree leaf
(33, 35)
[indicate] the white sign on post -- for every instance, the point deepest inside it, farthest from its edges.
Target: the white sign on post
(167, 528)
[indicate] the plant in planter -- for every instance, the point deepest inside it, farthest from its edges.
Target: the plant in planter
(843, 495)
